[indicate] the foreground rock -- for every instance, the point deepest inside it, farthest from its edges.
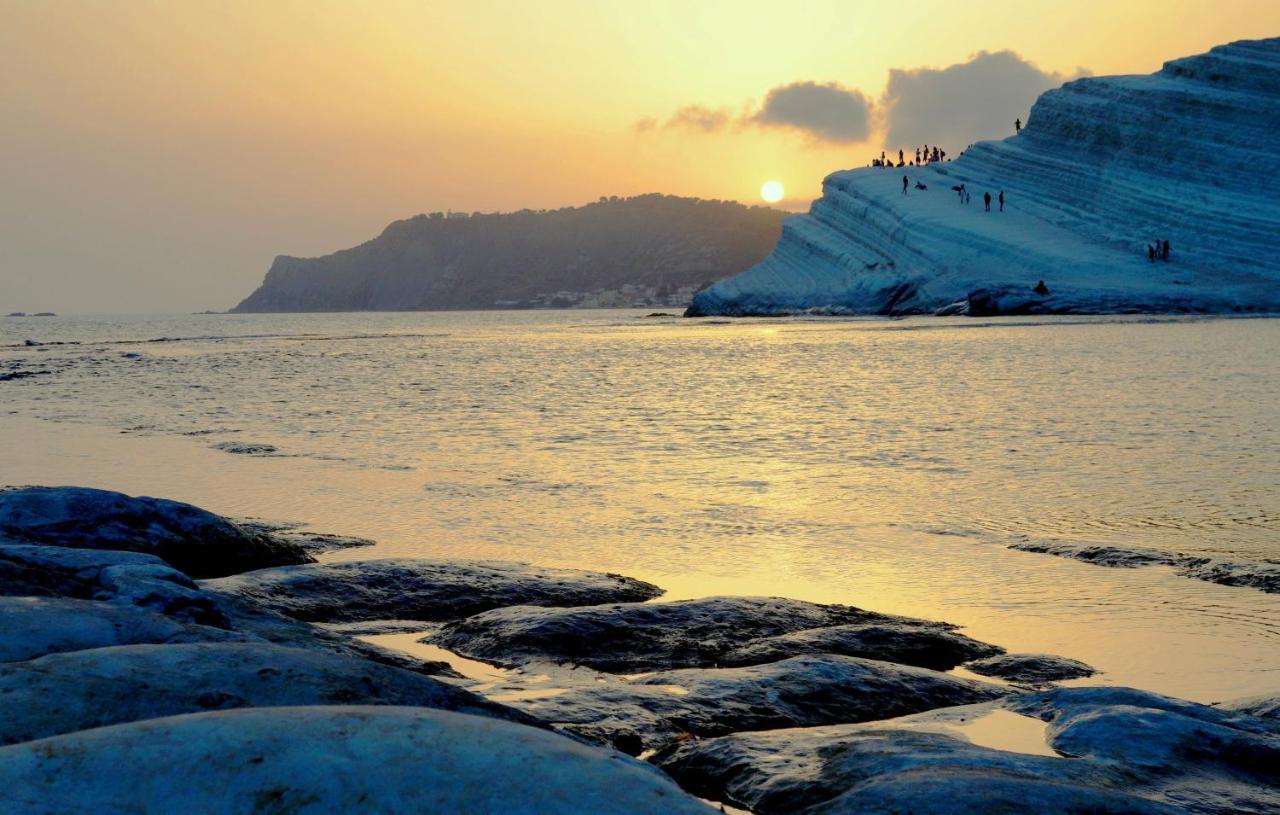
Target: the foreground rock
(148, 588)
(65, 692)
(35, 626)
(188, 538)
(408, 589)
(1031, 669)
(1131, 752)
(694, 633)
(322, 760)
(805, 691)
(123, 578)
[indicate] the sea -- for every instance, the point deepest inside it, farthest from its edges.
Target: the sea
(887, 464)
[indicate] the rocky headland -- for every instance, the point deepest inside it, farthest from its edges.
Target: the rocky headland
(648, 250)
(143, 671)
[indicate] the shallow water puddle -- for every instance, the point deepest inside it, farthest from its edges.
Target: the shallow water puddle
(965, 673)
(1004, 730)
(410, 644)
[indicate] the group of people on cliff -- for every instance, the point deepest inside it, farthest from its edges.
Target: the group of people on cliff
(924, 155)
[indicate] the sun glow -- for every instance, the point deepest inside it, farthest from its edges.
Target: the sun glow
(772, 191)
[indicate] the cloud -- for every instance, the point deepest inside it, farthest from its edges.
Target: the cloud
(951, 107)
(956, 106)
(824, 112)
(701, 118)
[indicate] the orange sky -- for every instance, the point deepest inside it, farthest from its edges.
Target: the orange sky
(158, 154)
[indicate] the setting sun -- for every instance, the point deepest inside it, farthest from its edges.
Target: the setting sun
(772, 191)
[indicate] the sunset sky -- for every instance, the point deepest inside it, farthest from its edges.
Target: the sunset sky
(157, 155)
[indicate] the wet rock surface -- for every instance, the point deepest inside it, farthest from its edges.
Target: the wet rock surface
(1031, 669)
(422, 589)
(145, 582)
(631, 637)
(1122, 751)
(65, 692)
(35, 626)
(655, 709)
(188, 538)
(322, 760)
(1264, 707)
(124, 578)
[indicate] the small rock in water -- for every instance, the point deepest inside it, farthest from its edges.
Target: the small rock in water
(314, 543)
(1031, 669)
(246, 448)
(9, 376)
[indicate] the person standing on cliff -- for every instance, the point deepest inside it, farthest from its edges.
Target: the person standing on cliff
(1017, 126)
(1164, 251)
(986, 199)
(905, 182)
(1002, 200)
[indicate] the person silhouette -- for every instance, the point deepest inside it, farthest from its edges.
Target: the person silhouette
(986, 199)
(1017, 126)
(905, 182)
(1164, 251)
(1002, 200)
(1151, 252)
(1041, 289)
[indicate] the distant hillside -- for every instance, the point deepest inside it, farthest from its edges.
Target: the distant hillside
(651, 250)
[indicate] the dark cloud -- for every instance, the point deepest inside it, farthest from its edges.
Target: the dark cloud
(956, 106)
(825, 112)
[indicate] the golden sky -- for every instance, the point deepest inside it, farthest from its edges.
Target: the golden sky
(159, 154)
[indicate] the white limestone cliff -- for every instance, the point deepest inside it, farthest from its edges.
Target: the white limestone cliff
(1104, 167)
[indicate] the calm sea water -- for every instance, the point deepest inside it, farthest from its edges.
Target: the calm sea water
(880, 463)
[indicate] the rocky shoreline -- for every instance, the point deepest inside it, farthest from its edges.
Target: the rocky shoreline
(157, 656)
